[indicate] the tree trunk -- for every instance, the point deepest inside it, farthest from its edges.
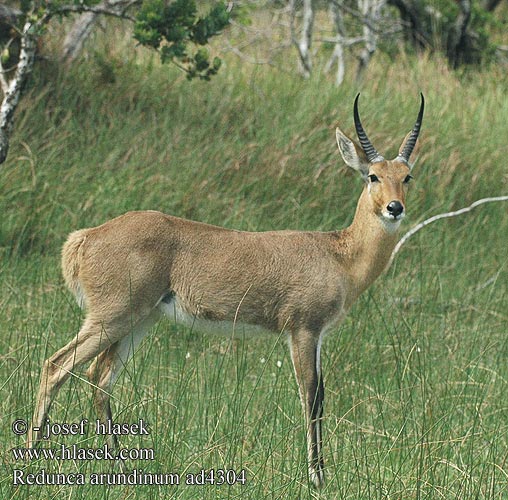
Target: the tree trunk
(371, 11)
(303, 45)
(84, 24)
(306, 38)
(491, 5)
(338, 50)
(459, 47)
(12, 89)
(77, 35)
(410, 14)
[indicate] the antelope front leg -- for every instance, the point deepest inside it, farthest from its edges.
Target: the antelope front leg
(306, 362)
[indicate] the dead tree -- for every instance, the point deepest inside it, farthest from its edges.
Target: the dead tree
(375, 25)
(304, 42)
(339, 44)
(371, 11)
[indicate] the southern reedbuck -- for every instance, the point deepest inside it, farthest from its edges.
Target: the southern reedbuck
(141, 265)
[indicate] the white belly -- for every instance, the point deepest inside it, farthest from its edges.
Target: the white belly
(174, 311)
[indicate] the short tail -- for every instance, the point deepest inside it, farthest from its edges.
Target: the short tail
(72, 252)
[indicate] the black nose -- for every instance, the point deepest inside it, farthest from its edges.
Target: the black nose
(395, 208)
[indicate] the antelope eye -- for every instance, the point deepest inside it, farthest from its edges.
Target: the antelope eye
(407, 179)
(373, 178)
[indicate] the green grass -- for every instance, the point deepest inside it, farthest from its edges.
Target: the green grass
(416, 378)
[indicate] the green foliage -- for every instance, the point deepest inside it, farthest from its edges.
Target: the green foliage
(26, 5)
(5, 56)
(170, 28)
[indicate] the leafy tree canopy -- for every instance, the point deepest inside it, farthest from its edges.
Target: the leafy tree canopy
(169, 28)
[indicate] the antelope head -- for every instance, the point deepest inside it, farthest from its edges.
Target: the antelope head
(386, 180)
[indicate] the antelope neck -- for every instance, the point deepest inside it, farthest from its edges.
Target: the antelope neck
(365, 247)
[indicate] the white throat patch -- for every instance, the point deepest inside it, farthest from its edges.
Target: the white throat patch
(389, 223)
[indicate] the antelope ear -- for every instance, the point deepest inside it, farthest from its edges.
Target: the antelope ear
(352, 153)
(414, 154)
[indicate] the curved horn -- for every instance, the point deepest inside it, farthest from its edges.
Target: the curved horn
(372, 155)
(411, 142)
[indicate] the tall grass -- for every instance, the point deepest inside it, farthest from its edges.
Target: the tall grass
(416, 377)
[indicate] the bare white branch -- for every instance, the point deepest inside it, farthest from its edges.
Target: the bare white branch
(434, 218)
